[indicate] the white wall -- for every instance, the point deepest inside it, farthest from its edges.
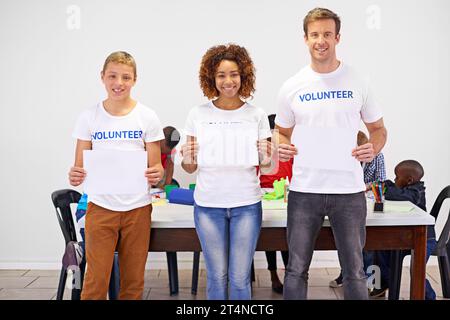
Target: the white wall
(50, 73)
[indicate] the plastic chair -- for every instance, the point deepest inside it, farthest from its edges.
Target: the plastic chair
(62, 199)
(442, 251)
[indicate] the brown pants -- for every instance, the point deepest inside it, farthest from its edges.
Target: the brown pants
(103, 228)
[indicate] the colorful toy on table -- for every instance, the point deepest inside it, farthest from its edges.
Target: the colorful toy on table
(181, 196)
(168, 189)
(279, 190)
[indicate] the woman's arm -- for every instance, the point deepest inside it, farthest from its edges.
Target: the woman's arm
(189, 152)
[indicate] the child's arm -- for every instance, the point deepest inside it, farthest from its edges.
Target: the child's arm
(169, 170)
(189, 152)
(400, 194)
(77, 173)
(155, 170)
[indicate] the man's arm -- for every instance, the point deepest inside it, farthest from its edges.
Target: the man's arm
(377, 140)
(377, 134)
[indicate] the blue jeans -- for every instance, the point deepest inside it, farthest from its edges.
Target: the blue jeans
(228, 237)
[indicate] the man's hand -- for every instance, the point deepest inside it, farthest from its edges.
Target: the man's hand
(364, 152)
(286, 152)
(76, 176)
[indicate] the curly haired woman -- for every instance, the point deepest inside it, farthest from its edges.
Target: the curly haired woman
(227, 210)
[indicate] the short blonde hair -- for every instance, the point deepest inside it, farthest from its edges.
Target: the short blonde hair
(321, 14)
(123, 58)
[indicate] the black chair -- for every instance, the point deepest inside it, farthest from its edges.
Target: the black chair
(62, 199)
(442, 251)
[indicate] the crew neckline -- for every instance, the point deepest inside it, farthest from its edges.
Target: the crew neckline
(225, 110)
(328, 74)
(102, 107)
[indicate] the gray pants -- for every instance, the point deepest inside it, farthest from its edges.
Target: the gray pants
(347, 215)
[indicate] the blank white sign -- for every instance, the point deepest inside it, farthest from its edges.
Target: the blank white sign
(115, 172)
(227, 144)
(325, 148)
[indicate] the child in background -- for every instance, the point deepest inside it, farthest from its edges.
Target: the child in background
(283, 170)
(171, 139)
(407, 187)
(373, 171)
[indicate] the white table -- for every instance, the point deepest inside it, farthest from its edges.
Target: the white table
(173, 230)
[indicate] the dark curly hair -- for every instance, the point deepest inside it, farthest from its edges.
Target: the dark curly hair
(230, 52)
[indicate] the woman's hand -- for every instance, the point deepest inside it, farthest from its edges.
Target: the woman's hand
(265, 149)
(189, 151)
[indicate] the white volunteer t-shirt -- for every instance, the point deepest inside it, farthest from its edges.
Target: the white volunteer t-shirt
(339, 99)
(129, 132)
(229, 187)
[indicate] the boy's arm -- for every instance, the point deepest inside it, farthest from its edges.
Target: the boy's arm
(400, 194)
(155, 170)
(77, 173)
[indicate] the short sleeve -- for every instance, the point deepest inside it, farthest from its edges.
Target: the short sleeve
(189, 127)
(370, 111)
(285, 118)
(82, 129)
(154, 129)
(264, 126)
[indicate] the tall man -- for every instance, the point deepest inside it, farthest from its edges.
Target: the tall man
(326, 95)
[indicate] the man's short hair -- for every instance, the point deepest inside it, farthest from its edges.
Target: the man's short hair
(172, 137)
(321, 14)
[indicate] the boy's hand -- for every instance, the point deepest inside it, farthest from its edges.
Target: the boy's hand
(189, 152)
(265, 149)
(286, 152)
(153, 175)
(76, 176)
(364, 152)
